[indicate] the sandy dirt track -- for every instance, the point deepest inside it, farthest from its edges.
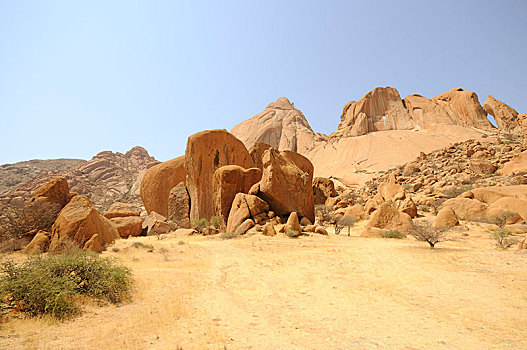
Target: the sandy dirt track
(316, 292)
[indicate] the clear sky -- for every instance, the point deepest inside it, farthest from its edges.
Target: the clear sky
(79, 77)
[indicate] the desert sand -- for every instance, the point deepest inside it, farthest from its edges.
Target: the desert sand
(315, 292)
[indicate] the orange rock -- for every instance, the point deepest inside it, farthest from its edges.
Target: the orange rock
(506, 117)
(446, 218)
(516, 166)
(119, 209)
(179, 206)
(323, 188)
(229, 180)
(257, 151)
(246, 206)
(78, 222)
(47, 201)
(464, 108)
(93, 244)
(128, 226)
(466, 208)
(39, 243)
(388, 217)
(281, 126)
(206, 152)
(157, 183)
(287, 183)
(426, 113)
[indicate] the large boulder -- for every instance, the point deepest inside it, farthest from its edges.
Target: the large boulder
(77, 222)
(446, 217)
(157, 183)
(280, 125)
(119, 210)
(323, 188)
(483, 167)
(128, 226)
(390, 188)
(228, 181)
(516, 166)
(206, 152)
(516, 205)
(389, 218)
(292, 226)
(39, 243)
(156, 224)
(257, 151)
(466, 208)
(287, 183)
(506, 117)
(246, 206)
(378, 110)
(464, 108)
(179, 206)
(46, 203)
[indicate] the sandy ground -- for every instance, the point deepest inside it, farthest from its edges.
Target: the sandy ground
(315, 292)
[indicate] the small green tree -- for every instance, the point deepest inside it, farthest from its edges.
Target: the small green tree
(427, 233)
(501, 235)
(200, 224)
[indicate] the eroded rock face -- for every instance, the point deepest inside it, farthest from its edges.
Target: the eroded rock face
(388, 217)
(425, 112)
(179, 206)
(256, 151)
(380, 109)
(47, 201)
(119, 209)
(227, 182)
(157, 183)
(516, 166)
(77, 222)
(464, 108)
(39, 243)
(128, 226)
(280, 125)
(206, 152)
(446, 218)
(287, 184)
(246, 206)
(506, 117)
(323, 188)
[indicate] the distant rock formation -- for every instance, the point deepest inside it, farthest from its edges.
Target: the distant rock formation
(281, 126)
(107, 178)
(382, 109)
(506, 116)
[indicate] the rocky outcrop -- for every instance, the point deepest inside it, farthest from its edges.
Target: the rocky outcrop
(119, 210)
(256, 151)
(287, 183)
(244, 207)
(179, 206)
(389, 218)
(105, 179)
(39, 243)
(464, 108)
(426, 113)
(128, 226)
(157, 183)
(227, 182)
(206, 152)
(516, 166)
(156, 224)
(380, 109)
(47, 201)
(506, 117)
(77, 222)
(323, 188)
(280, 125)
(446, 217)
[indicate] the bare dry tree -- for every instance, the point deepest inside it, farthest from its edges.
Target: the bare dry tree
(426, 232)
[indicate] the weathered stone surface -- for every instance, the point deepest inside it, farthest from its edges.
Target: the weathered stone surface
(323, 188)
(93, 244)
(179, 206)
(39, 243)
(46, 203)
(128, 226)
(466, 208)
(509, 204)
(245, 206)
(426, 113)
(380, 109)
(119, 209)
(482, 166)
(257, 150)
(157, 183)
(228, 181)
(55, 191)
(280, 125)
(77, 222)
(516, 166)
(268, 230)
(206, 152)
(446, 217)
(388, 217)
(293, 224)
(464, 108)
(244, 227)
(506, 117)
(287, 185)
(321, 230)
(156, 224)
(356, 211)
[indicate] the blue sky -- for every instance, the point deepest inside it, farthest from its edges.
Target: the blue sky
(79, 77)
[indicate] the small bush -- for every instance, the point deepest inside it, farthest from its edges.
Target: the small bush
(50, 285)
(501, 236)
(292, 233)
(216, 221)
(500, 219)
(393, 234)
(455, 191)
(427, 233)
(228, 235)
(200, 224)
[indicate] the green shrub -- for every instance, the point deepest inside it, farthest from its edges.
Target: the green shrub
(292, 233)
(500, 219)
(393, 234)
(216, 221)
(228, 235)
(50, 285)
(501, 236)
(200, 224)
